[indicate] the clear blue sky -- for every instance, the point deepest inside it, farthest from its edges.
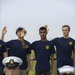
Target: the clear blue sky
(32, 14)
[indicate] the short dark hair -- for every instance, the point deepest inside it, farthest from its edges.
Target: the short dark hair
(42, 28)
(20, 29)
(66, 26)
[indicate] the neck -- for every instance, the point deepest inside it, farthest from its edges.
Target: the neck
(66, 36)
(20, 38)
(44, 40)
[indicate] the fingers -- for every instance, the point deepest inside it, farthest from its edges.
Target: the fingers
(28, 69)
(46, 26)
(22, 33)
(4, 30)
(51, 71)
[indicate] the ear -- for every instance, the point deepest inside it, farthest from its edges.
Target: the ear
(39, 32)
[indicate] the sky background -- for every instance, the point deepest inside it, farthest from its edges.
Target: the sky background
(32, 14)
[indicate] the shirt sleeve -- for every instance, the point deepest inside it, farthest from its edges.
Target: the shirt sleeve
(54, 41)
(52, 49)
(28, 51)
(4, 47)
(32, 46)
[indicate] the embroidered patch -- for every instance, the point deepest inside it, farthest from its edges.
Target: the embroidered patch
(47, 47)
(70, 43)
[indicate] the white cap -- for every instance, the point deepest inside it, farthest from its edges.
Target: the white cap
(12, 60)
(66, 69)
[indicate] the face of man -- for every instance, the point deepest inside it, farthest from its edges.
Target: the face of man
(12, 71)
(21, 33)
(43, 34)
(65, 31)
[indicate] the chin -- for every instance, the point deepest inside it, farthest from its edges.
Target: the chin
(11, 74)
(19, 36)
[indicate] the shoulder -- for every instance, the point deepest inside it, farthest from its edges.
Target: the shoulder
(71, 39)
(2, 42)
(26, 41)
(55, 39)
(10, 41)
(36, 42)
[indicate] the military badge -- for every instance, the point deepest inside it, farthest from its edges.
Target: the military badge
(70, 43)
(47, 47)
(11, 61)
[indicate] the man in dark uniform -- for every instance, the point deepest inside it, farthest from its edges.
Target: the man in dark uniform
(44, 50)
(64, 48)
(3, 52)
(16, 49)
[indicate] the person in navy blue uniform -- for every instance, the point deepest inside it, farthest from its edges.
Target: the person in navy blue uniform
(43, 49)
(15, 49)
(3, 52)
(64, 48)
